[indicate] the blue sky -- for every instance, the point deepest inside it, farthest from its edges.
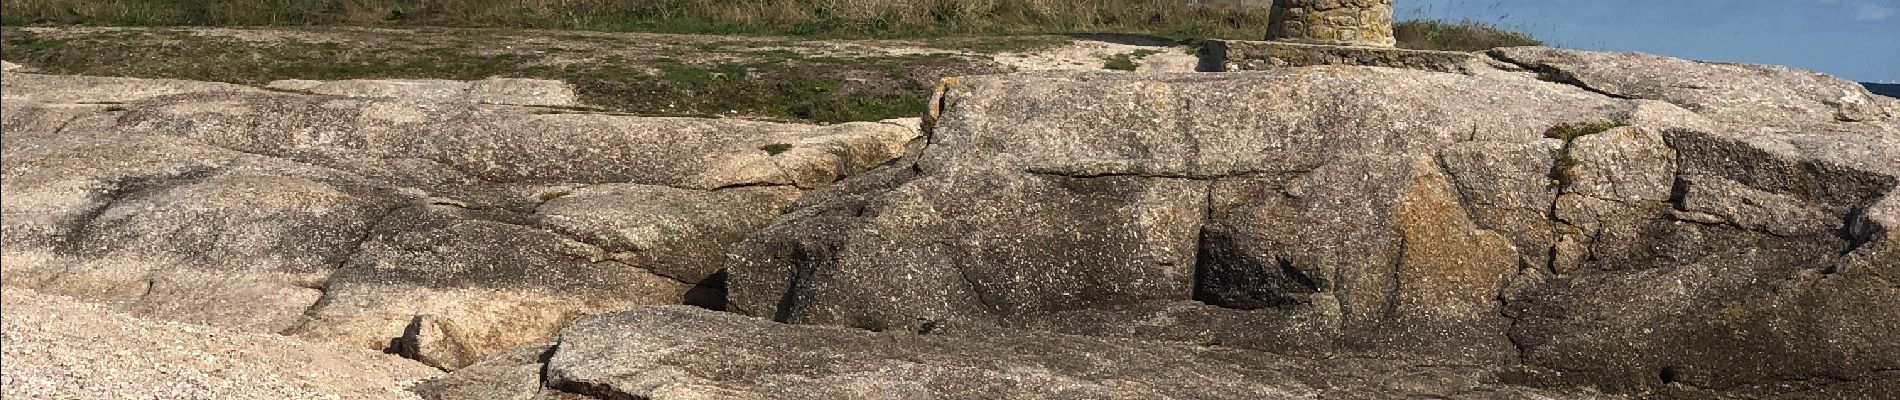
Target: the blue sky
(1854, 39)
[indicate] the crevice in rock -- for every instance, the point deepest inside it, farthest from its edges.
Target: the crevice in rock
(976, 291)
(709, 293)
(61, 129)
(741, 185)
(782, 312)
(1060, 172)
(355, 247)
(1556, 75)
(600, 391)
(1457, 186)
(1518, 347)
(1857, 230)
(545, 359)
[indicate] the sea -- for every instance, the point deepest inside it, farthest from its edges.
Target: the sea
(1883, 89)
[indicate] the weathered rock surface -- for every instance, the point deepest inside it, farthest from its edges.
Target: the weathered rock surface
(1021, 211)
(506, 91)
(1545, 223)
(688, 353)
(441, 230)
(1724, 216)
(58, 347)
(75, 89)
(513, 374)
(1757, 95)
(1248, 55)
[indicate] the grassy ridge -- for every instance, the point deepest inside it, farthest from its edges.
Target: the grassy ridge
(677, 75)
(807, 18)
(829, 18)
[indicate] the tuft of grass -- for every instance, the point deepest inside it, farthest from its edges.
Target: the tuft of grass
(1463, 35)
(775, 148)
(1560, 171)
(1126, 61)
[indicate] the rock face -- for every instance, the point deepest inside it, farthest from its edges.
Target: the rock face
(1336, 22)
(440, 230)
(1542, 223)
(1489, 218)
(676, 352)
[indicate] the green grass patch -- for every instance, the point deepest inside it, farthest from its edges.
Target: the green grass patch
(1127, 61)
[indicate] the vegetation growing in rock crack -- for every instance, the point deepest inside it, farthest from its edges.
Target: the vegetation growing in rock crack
(1560, 171)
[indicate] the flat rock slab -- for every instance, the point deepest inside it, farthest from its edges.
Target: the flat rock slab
(99, 89)
(57, 347)
(675, 352)
(1248, 55)
(503, 91)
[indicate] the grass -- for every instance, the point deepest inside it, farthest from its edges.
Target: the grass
(1466, 35)
(1126, 61)
(803, 18)
(757, 79)
(1560, 171)
(821, 18)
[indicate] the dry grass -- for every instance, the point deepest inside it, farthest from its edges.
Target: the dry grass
(1466, 35)
(837, 18)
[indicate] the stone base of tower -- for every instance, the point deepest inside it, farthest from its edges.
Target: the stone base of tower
(1245, 55)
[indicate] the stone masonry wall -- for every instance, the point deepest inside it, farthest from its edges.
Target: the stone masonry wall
(1338, 22)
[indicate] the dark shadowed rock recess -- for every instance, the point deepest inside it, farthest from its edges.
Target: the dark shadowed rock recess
(1524, 223)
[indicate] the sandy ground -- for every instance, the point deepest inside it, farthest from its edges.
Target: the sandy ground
(55, 347)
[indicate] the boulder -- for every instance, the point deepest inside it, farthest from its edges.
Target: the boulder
(1314, 192)
(1643, 225)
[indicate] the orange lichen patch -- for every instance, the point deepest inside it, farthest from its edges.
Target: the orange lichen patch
(1449, 266)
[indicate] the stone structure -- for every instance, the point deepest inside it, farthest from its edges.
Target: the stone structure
(1338, 22)
(1248, 55)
